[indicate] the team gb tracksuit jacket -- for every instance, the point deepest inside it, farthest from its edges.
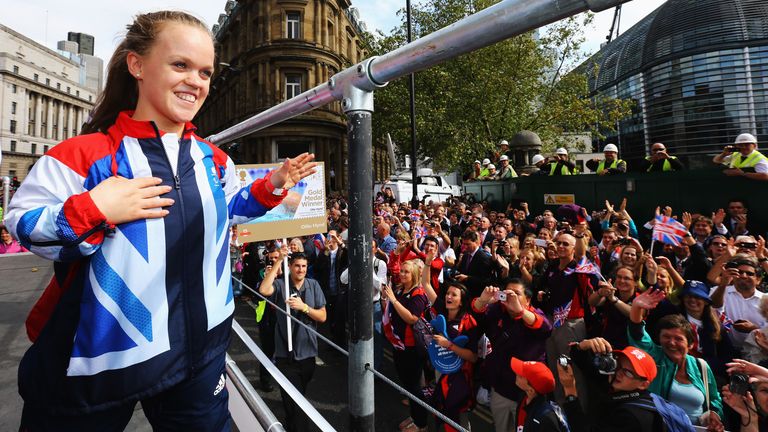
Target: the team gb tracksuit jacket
(135, 308)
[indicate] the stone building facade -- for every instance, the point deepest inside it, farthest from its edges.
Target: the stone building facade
(41, 101)
(271, 50)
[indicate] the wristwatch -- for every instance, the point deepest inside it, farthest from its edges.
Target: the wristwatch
(571, 398)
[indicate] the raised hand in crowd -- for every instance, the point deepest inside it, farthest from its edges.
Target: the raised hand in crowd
(645, 302)
(687, 220)
(755, 372)
(718, 217)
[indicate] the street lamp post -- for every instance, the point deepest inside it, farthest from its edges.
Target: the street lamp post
(412, 94)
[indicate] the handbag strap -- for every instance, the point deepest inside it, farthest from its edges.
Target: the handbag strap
(705, 376)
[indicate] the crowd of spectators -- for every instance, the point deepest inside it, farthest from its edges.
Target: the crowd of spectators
(647, 326)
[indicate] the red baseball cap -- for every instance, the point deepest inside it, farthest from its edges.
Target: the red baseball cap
(537, 374)
(642, 363)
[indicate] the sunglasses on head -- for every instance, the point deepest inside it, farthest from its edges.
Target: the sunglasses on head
(747, 245)
(563, 244)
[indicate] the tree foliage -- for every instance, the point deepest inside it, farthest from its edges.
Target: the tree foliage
(467, 105)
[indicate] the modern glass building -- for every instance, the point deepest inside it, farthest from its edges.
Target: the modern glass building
(698, 73)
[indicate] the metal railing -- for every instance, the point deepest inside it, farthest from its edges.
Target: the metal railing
(355, 87)
(246, 395)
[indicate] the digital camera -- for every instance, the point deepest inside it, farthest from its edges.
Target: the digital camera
(605, 363)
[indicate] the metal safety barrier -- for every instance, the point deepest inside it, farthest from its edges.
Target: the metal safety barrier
(355, 87)
(367, 366)
(245, 405)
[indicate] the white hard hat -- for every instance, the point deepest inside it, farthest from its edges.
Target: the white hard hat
(477, 162)
(504, 158)
(611, 148)
(745, 138)
(503, 142)
(561, 151)
(537, 158)
(491, 166)
(486, 161)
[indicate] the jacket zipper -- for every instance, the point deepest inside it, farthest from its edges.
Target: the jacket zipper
(177, 186)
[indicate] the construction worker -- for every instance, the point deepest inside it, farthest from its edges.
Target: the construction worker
(611, 164)
(485, 172)
(743, 159)
(506, 171)
(560, 165)
(503, 151)
(660, 160)
(540, 164)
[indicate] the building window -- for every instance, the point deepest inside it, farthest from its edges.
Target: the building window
(45, 149)
(293, 25)
(14, 88)
(16, 70)
(37, 77)
(33, 148)
(69, 90)
(77, 93)
(90, 98)
(13, 145)
(13, 107)
(58, 86)
(13, 126)
(289, 149)
(47, 81)
(292, 85)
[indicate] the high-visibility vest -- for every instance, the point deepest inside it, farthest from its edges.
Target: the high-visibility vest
(507, 173)
(601, 166)
(563, 169)
(747, 164)
(666, 166)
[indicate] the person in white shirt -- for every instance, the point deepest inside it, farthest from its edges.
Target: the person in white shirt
(738, 297)
(379, 281)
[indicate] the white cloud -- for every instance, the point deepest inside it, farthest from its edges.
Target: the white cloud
(380, 14)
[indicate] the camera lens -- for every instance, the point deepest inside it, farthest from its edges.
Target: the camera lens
(605, 363)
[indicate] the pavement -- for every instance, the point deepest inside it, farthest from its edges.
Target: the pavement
(23, 277)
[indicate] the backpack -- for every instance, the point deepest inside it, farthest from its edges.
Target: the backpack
(551, 406)
(675, 419)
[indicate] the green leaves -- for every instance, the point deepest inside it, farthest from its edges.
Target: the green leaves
(464, 107)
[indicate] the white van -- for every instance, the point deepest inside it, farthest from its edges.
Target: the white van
(431, 187)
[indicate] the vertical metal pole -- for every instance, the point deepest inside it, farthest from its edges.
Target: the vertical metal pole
(360, 381)
(412, 94)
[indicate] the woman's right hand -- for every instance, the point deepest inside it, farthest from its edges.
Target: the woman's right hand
(488, 295)
(123, 200)
(740, 404)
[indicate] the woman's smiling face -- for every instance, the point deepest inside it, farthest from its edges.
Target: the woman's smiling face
(174, 76)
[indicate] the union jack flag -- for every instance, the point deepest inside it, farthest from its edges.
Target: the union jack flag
(415, 215)
(560, 314)
(668, 230)
(319, 241)
(584, 266)
(726, 322)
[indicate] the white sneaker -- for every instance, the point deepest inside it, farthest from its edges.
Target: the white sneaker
(483, 396)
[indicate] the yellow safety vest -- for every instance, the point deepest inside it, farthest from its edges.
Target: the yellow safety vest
(749, 162)
(601, 166)
(563, 169)
(666, 166)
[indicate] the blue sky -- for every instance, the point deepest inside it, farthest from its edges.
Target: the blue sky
(48, 21)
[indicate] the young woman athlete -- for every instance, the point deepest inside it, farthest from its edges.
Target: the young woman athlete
(135, 212)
